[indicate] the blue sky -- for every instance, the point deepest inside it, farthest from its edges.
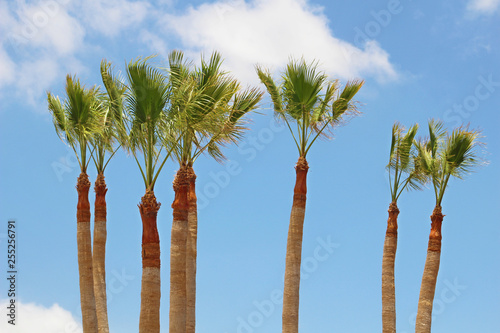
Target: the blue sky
(420, 60)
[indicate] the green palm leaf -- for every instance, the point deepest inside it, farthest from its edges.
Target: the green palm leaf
(146, 101)
(79, 118)
(404, 168)
(442, 156)
(306, 97)
(208, 108)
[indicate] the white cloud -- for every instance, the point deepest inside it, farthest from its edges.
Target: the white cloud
(39, 46)
(7, 69)
(109, 17)
(7, 66)
(36, 318)
(46, 25)
(154, 42)
(487, 7)
(36, 76)
(269, 33)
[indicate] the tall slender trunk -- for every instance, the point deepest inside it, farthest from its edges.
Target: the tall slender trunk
(99, 254)
(178, 252)
(191, 253)
(149, 321)
(84, 244)
(429, 278)
(389, 256)
(294, 250)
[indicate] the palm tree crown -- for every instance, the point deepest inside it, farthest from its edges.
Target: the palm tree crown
(206, 109)
(402, 162)
(146, 102)
(78, 119)
(441, 156)
(112, 122)
(307, 97)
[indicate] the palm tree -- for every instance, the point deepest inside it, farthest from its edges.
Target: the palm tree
(102, 143)
(401, 167)
(76, 121)
(440, 157)
(315, 104)
(145, 102)
(207, 108)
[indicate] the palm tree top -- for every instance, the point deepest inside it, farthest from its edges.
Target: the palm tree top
(207, 107)
(146, 102)
(306, 96)
(402, 159)
(443, 155)
(113, 122)
(78, 118)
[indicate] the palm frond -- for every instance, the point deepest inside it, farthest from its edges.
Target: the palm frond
(307, 97)
(460, 152)
(403, 168)
(147, 97)
(207, 108)
(114, 101)
(266, 78)
(58, 117)
(443, 155)
(436, 133)
(79, 118)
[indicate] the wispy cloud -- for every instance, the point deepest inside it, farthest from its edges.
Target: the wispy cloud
(45, 40)
(269, 33)
(486, 7)
(110, 17)
(48, 39)
(36, 318)
(154, 42)
(39, 46)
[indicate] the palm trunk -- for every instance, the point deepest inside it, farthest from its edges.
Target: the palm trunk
(99, 254)
(388, 259)
(294, 250)
(149, 321)
(191, 252)
(428, 287)
(178, 253)
(84, 244)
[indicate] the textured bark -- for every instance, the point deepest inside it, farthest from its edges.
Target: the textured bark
(178, 252)
(191, 253)
(294, 251)
(99, 254)
(84, 244)
(149, 321)
(389, 257)
(429, 278)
